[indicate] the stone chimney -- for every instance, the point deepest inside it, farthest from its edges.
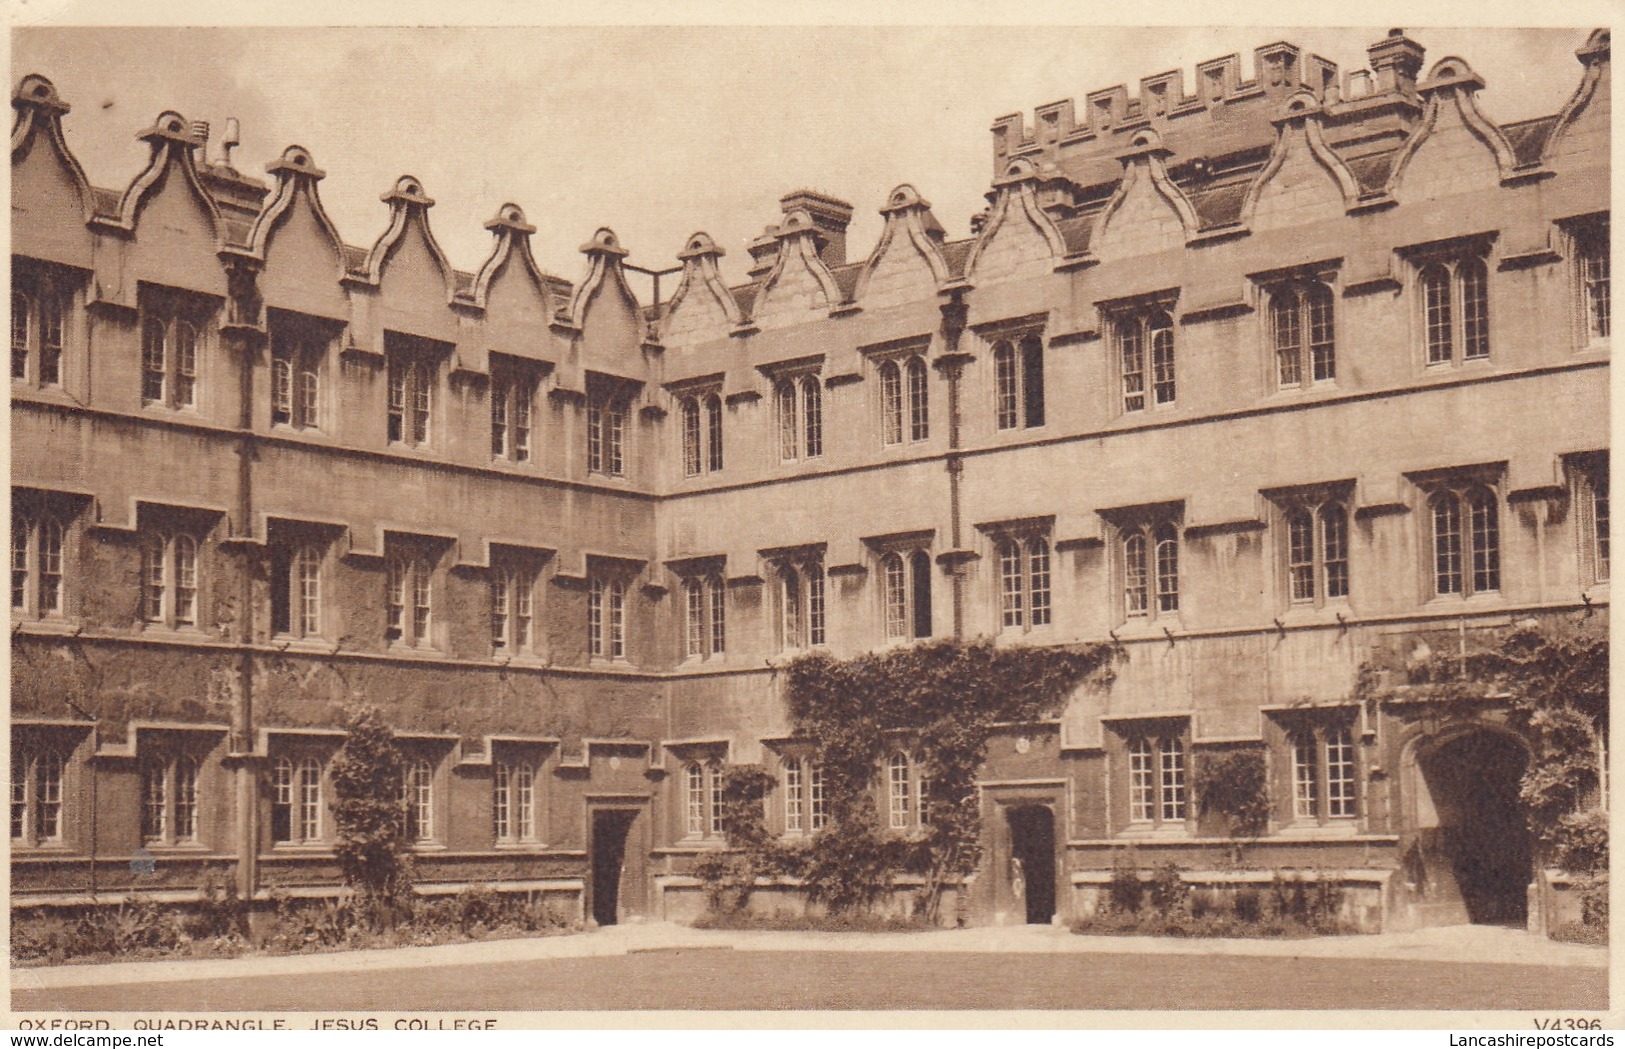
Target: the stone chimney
(1396, 60)
(764, 251)
(830, 217)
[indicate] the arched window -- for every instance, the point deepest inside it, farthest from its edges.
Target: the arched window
(713, 420)
(1455, 309)
(154, 801)
(1171, 787)
(22, 529)
(1131, 358)
(1160, 333)
(1340, 775)
(296, 801)
(795, 796)
(1135, 598)
(1167, 540)
(22, 313)
(296, 358)
(1323, 772)
(702, 434)
(1484, 537)
(310, 799)
(169, 582)
(804, 801)
(50, 566)
(891, 403)
(1300, 527)
(1317, 553)
(606, 618)
(697, 819)
(1018, 382)
(1334, 549)
(1142, 782)
(1006, 386)
(894, 575)
(801, 602)
(900, 791)
(691, 437)
(307, 590)
(1024, 581)
(36, 560)
(169, 799)
(417, 799)
(1593, 262)
(812, 416)
(1305, 776)
(154, 361)
(186, 773)
(1466, 541)
(409, 586)
(1012, 583)
(919, 404)
(1437, 314)
(1447, 543)
(36, 796)
(1134, 335)
(513, 802)
(185, 580)
(185, 364)
(704, 617)
(1303, 333)
(713, 798)
(606, 434)
(1474, 282)
(785, 401)
(791, 608)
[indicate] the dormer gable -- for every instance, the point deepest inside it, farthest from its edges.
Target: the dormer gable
(51, 198)
(1303, 181)
(511, 289)
(1018, 239)
(702, 308)
(799, 285)
(906, 265)
(1582, 135)
(1455, 148)
(1147, 213)
(407, 249)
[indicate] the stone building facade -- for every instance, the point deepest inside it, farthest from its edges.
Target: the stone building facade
(1256, 382)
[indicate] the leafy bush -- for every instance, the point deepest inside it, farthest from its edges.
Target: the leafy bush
(1168, 891)
(370, 843)
(1208, 903)
(1125, 891)
(1594, 901)
(1205, 912)
(221, 912)
(1248, 904)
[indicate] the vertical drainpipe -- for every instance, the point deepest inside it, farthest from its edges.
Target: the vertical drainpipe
(951, 363)
(245, 312)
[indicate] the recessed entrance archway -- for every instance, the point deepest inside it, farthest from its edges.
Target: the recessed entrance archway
(1474, 859)
(1032, 860)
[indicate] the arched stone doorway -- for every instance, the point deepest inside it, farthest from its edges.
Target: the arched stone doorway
(1472, 859)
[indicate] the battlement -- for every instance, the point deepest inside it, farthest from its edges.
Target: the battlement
(1063, 137)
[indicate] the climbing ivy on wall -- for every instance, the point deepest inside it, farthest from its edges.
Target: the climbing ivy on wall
(940, 701)
(1554, 679)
